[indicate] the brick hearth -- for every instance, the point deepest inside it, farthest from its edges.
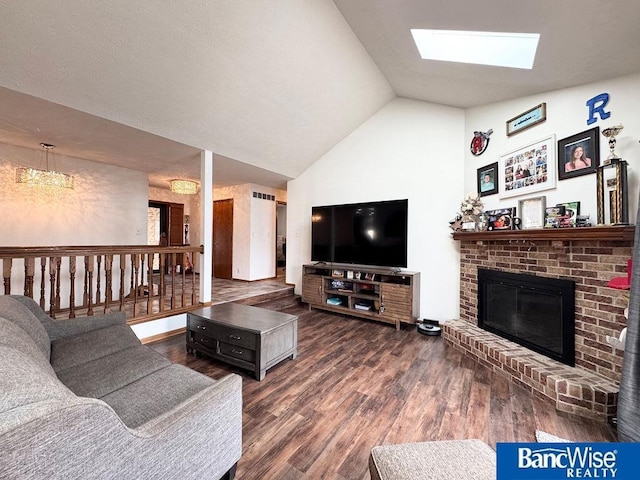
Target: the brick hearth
(589, 389)
(573, 390)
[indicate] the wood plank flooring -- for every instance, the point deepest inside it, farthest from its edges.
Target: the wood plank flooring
(356, 384)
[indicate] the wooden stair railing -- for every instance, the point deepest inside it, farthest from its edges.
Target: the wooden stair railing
(121, 278)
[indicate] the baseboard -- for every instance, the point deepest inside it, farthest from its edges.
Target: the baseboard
(163, 335)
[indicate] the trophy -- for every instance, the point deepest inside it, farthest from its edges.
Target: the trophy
(611, 133)
(618, 196)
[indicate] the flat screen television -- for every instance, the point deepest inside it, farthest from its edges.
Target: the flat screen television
(322, 234)
(373, 233)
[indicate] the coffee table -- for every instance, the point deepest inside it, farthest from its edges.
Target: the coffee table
(248, 337)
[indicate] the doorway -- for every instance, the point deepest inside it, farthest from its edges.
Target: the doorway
(165, 226)
(165, 219)
(223, 239)
(281, 239)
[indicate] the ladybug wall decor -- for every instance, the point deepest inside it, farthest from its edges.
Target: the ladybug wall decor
(480, 142)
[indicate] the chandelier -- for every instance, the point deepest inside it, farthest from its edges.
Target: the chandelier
(185, 187)
(44, 178)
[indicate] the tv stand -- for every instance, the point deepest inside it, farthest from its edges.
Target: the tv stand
(379, 294)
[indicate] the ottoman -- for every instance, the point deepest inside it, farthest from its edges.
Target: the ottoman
(445, 460)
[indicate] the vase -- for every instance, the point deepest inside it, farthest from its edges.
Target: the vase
(469, 222)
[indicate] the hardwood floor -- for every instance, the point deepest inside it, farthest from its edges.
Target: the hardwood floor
(356, 384)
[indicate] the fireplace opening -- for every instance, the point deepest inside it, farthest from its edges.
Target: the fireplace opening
(536, 312)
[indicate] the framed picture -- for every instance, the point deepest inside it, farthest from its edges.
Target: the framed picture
(501, 219)
(553, 216)
(571, 212)
(579, 154)
(337, 273)
(532, 212)
(529, 169)
(531, 117)
(488, 179)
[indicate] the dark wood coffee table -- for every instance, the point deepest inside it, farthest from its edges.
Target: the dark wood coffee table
(248, 337)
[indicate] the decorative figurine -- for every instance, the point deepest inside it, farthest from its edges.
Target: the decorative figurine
(480, 142)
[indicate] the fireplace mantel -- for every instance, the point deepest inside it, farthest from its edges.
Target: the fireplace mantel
(606, 232)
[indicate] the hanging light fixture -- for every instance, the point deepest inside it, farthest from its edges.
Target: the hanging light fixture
(185, 187)
(44, 178)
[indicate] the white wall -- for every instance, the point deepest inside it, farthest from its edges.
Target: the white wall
(263, 238)
(162, 325)
(409, 149)
(108, 205)
(566, 115)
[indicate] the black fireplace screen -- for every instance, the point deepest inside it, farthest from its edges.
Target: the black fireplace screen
(536, 312)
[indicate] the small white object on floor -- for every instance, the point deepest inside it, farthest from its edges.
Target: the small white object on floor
(544, 437)
(618, 342)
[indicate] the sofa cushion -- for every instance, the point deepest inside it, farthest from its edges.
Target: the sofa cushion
(64, 327)
(24, 380)
(104, 375)
(15, 311)
(443, 460)
(67, 352)
(12, 336)
(155, 394)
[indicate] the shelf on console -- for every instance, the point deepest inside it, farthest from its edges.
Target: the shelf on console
(605, 232)
(387, 296)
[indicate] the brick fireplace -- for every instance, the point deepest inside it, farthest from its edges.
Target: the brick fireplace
(590, 257)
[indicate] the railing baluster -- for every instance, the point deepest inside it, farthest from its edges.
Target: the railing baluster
(162, 288)
(52, 286)
(85, 283)
(193, 286)
(89, 262)
(149, 282)
(58, 279)
(135, 262)
(184, 285)
(123, 267)
(173, 281)
(142, 274)
(29, 271)
(6, 274)
(98, 293)
(108, 272)
(131, 284)
(72, 281)
(43, 277)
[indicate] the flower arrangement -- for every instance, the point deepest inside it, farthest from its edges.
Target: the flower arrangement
(471, 205)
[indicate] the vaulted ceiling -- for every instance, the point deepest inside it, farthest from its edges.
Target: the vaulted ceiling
(268, 86)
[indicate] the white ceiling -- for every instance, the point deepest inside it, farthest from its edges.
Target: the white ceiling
(271, 85)
(581, 41)
(26, 121)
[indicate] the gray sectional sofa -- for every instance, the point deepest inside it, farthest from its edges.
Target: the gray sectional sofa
(83, 398)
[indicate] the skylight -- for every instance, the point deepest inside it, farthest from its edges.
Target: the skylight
(514, 50)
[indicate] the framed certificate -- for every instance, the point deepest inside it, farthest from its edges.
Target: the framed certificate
(532, 212)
